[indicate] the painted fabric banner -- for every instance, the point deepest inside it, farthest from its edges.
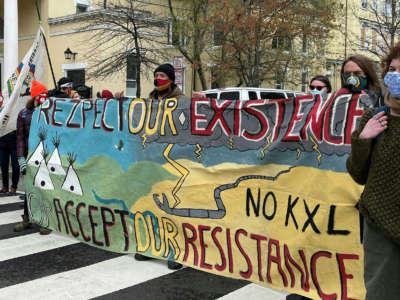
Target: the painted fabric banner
(255, 190)
(16, 91)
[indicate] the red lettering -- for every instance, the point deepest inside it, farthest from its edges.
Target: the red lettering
(276, 259)
(218, 117)
(313, 263)
(259, 116)
(259, 238)
(222, 266)
(249, 271)
(191, 241)
(297, 116)
(203, 247)
(280, 111)
(343, 275)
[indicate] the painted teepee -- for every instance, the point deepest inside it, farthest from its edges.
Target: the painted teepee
(37, 155)
(42, 178)
(72, 183)
(54, 164)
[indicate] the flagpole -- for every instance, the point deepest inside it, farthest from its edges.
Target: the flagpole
(45, 44)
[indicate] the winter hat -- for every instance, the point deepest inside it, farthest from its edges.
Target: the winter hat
(167, 69)
(106, 94)
(64, 82)
(37, 88)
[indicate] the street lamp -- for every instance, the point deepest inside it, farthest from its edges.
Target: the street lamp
(69, 54)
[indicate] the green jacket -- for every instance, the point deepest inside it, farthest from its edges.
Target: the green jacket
(375, 163)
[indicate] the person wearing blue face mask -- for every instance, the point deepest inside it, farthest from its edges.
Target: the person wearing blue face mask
(358, 75)
(374, 162)
(320, 85)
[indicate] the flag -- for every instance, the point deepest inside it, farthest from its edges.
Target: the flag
(16, 91)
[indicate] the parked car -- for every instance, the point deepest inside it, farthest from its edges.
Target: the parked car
(247, 93)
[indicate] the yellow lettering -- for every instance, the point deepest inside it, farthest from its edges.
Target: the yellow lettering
(169, 107)
(140, 247)
(142, 116)
(171, 231)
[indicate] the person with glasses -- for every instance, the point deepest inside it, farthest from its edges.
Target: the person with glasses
(358, 75)
(320, 85)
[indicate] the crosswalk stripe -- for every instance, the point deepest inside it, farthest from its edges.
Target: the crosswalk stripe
(11, 217)
(191, 284)
(94, 280)
(35, 243)
(11, 199)
(256, 292)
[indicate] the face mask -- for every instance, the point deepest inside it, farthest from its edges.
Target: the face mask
(392, 81)
(355, 83)
(162, 84)
(41, 99)
(316, 92)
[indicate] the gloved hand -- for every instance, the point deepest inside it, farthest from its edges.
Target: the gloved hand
(22, 165)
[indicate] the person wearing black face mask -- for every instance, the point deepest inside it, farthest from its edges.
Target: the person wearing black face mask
(359, 76)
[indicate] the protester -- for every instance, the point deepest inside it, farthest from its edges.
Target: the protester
(8, 150)
(359, 76)
(38, 93)
(64, 89)
(374, 162)
(320, 85)
(106, 94)
(164, 77)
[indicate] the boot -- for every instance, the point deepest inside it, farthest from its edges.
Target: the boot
(174, 265)
(44, 231)
(141, 257)
(25, 224)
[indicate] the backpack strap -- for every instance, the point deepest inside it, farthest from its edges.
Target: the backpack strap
(376, 111)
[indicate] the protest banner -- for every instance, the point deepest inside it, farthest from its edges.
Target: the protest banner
(255, 190)
(16, 90)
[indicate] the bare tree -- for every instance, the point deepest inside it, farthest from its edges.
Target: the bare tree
(124, 34)
(379, 26)
(189, 33)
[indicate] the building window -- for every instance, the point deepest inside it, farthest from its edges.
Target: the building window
(280, 80)
(77, 76)
(373, 40)
(175, 36)
(131, 76)
(364, 4)
(218, 35)
(387, 8)
(282, 42)
(304, 43)
(363, 37)
(304, 80)
(374, 5)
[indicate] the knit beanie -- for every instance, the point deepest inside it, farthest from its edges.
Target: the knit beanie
(106, 94)
(37, 88)
(167, 69)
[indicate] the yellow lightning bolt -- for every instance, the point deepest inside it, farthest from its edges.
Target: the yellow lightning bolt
(298, 153)
(144, 137)
(266, 146)
(231, 143)
(315, 147)
(198, 152)
(181, 169)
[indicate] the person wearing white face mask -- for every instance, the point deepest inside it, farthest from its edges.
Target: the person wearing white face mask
(374, 162)
(320, 85)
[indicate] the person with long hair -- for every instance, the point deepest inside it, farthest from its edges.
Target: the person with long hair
(38, 93)
(374, 162)
(359, 76)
